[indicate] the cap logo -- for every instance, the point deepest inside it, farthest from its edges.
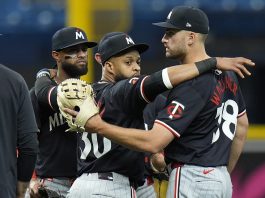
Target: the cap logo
(188, 24)
(129, 40)
(79, 35)
(169, 15)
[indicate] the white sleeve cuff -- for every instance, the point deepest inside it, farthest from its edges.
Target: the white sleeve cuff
(166, 80)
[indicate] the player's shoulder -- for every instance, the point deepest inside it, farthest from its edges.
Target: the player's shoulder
(127, 84)
(226, 76)
(97, 86)
(7, 72)
(130, 81)
(9, 77)
(201, 85)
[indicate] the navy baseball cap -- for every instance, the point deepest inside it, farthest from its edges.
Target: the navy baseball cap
(186, 18)
(114, 43)
(70, 36)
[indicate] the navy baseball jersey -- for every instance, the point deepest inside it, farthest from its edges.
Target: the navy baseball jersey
(202, 114)
(57, 148)
(150, 112)
(121, 104)
(153, 108)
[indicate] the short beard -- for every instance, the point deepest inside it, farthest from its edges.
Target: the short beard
(119, 78)
(73, 71)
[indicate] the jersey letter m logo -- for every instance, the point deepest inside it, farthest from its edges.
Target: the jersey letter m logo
(129, 40)
(79, 35)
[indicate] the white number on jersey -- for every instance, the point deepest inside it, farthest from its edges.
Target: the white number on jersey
(94, 143)
(226, 119)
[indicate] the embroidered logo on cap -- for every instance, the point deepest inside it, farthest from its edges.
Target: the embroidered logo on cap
(188, 24)
(169, 15)
(129, 40)
(79, 35)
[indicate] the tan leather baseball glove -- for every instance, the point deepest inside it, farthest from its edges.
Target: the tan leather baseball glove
(78, 95)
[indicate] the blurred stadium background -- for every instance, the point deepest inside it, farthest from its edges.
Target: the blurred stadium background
(237, 29)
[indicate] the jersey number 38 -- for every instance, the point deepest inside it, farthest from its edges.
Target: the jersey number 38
(227, 120)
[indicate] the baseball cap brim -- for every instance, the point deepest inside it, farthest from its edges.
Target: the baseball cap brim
(165, 25)
(89, 44)
(141, 47)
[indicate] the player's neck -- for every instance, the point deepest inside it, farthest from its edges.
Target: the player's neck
(108, 77)
(195, 56)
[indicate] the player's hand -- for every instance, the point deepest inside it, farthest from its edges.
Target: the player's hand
(91, 124)
(157, 162)
(237, 65)
(34, 188)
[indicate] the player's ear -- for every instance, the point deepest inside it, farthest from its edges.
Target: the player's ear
(109, 67)
(98, 58)
(191, 38)
(56, 56)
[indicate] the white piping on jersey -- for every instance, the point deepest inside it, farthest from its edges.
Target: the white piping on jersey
(142, 90)
(166, 80)
(49, 97)
(175, 133)
(133, 192)
(177, 180)
(242, 113)
(102, 82)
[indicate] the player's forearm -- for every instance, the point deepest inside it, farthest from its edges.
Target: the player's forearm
(238, 143)
(131, 138)
(172, 76)
(180, 73)
(236, 149)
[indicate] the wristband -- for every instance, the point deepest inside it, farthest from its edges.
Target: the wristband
(206, 65)
(43, 72)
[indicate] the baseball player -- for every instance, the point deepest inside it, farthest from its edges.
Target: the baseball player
(106, 168)
(56, 166)
(201, 118)
(18, 142)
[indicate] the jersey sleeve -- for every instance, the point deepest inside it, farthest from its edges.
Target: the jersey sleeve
(133, 94)
(240, 99)
(27, 143)
(26, 117)
(127, 94)
(46, 92)
(181, 109)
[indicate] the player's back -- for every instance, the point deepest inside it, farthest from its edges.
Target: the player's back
(210, 106)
